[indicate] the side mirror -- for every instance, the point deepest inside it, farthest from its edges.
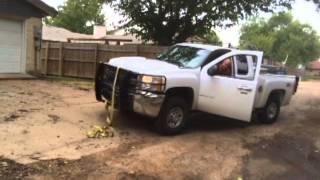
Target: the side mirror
(212, 70)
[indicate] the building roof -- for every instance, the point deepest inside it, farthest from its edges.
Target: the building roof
(121, 32)
(315, 65)
(48, 10)
(52, 33)
(133, 39)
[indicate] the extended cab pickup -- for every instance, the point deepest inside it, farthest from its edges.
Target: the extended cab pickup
(194, 77)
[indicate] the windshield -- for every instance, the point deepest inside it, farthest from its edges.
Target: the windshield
(185, 56)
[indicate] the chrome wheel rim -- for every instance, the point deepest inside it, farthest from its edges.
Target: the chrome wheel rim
(175, 117)
(272, 110)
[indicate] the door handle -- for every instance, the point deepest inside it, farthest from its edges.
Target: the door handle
(246, 89)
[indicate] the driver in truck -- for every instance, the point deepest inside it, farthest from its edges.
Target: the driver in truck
(225, 68)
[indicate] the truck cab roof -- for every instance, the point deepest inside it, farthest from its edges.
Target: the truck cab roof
(203, 46)
(213, 47)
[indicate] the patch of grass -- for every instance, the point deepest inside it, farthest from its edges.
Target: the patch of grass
(78, 83)
(310, 78)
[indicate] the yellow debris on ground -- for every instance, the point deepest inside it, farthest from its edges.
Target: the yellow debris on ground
(101, 132)
(106, 131)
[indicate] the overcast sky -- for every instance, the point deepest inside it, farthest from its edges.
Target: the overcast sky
(303, 11)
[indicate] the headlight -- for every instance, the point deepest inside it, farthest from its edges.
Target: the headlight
(152, 79)
(151, 83)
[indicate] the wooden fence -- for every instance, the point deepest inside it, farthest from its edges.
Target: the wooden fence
(81, 60)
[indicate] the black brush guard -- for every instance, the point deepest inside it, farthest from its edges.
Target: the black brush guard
(124, 88)
(296, 85)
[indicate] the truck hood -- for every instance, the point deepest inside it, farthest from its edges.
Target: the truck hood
(143, 65)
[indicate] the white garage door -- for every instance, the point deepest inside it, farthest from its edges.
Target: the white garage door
(10, 46)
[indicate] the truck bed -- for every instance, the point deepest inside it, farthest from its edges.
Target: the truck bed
(270, 82)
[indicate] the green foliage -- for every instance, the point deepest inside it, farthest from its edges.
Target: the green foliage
(79, 15)
(316, 2)
(281, 36)
(211, 38)
(170, 21)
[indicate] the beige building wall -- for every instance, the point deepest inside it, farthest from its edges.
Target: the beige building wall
(31, 25)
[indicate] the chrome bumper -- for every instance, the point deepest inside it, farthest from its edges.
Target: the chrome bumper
(147, 103)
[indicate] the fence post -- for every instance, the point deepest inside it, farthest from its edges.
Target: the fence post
(46, 59)
(96, 51)
(61, 59)
(138, 50)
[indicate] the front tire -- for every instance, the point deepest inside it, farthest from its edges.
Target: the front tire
(172, 117)
(271, 111)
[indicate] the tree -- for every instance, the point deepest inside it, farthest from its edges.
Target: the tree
(281, 37)
(171, 21)
(79, 15)
(211, 38)
(316, 2)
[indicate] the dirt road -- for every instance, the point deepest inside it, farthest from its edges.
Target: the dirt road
(43, 127)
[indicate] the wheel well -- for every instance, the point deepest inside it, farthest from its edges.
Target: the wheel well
(185, 92)
(277, 92)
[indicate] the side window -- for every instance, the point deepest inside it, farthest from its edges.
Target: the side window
(242, 65)
(216, 54)
(225, 67)
(254, 60)
(245, 66)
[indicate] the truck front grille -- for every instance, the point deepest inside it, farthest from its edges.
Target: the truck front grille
(104, 85)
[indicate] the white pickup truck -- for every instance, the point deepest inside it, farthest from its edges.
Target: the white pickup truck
(194, 77)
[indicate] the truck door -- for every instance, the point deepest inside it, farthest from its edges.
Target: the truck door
(228, 84)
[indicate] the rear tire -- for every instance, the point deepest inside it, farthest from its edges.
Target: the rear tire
(271, 111)
(172, 117)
